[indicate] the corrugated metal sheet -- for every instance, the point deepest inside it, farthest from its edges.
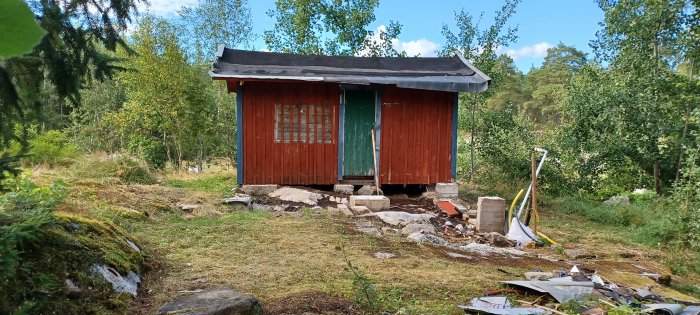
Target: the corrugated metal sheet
(302, 153)
(416, 136)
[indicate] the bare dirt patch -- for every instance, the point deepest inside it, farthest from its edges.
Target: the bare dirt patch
(309, 302)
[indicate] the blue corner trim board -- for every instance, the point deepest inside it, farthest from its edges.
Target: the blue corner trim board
(341, 135)
(455, 104)
(239, 134)
(378, 126)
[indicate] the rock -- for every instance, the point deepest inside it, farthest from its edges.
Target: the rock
(369, 231)
(498, 240)
(486, 249)
(456, 255)
(386, 229)
(402, 218)
(128, 284)
(383, 255)
(400, 196)
(258, 190)
(72, 288)
(617, 201)
(427, 238)
(239, 201)
(279, 208)
(363, 223)
(368, 190)
(296, 195)
(216, 301)
(188, 207)
(345, 210)
(578, 253)
(344, 201)
(260, 207)
(658, 278)
(133, 245)
(374, 203)
(360, 209)
(416, 227)
(344, 189)
(74, 227)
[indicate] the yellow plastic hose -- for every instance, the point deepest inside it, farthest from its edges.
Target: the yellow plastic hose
(551, 241)
(512, 206)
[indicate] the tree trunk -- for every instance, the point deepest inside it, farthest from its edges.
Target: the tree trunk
(657, 178)
(685, 126)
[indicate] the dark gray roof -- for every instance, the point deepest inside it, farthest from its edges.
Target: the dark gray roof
(452, 74)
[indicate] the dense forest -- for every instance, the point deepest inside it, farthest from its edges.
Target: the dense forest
(106, 78)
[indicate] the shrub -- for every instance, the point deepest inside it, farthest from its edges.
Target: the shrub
(52, 148)
(150, 150)
(121, 169)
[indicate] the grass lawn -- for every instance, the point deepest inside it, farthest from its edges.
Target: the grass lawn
(282, 258)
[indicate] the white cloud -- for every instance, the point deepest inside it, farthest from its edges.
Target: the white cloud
(536, 50)
(422, 47)
(166, 7)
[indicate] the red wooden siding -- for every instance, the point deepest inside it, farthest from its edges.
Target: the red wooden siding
(416, 136)
(297, 161)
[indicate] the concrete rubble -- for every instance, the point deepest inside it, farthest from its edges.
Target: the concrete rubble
(423, 220)
(296, 195)
(374, 203)
(344, 189)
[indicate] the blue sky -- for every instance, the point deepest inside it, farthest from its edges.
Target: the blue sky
(541, 23)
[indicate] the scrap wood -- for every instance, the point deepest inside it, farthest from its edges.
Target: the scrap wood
(543, 307)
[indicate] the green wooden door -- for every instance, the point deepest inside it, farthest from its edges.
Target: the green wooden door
(359, 121)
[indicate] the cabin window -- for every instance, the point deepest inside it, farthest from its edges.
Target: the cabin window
(306, 123)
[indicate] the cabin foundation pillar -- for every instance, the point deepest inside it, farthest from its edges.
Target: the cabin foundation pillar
(446, 190)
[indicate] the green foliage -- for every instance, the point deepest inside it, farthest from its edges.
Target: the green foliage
(324, 27)
(212, 23)
(41, 248)
(150, 150)
(66, 56)
(173, 112)
(51, 148)
(120, 169)
(365, 291)
(18, 29)
(94, 124)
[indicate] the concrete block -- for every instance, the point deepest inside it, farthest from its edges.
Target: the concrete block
(345, 210)
(243, 201)
(446, 190)
(360, 209)
(374, 203)
(368, 190)
(344, 189)
(258, 190)
(490, 214)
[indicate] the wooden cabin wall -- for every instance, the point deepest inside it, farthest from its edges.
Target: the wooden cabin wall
(416, 136)
(294, 159)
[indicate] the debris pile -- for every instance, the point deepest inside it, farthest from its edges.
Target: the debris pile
(593, 295)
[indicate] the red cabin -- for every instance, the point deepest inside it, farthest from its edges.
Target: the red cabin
(308, 120)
